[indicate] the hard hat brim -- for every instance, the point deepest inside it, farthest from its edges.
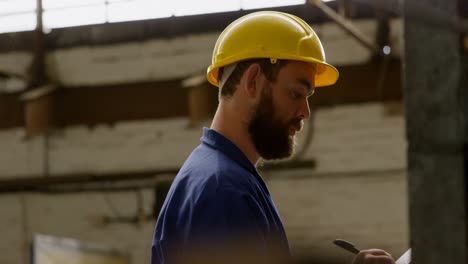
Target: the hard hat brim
(325, 75)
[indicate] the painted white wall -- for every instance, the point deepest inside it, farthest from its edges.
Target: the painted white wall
(357, 191)
(368, 209)
(346, 138)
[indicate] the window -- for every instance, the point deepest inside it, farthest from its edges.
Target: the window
(74, 16)
(184, 7)
(126, 10)
(249, 4)
(19, 15)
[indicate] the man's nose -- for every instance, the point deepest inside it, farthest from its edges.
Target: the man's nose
(304, 110)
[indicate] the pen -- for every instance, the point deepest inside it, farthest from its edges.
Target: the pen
(346, 245)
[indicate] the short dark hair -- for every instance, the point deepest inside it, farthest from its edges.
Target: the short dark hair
(270, 70)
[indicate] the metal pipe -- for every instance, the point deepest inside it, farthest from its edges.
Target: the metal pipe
(151, 184)
(347, 26)
(4, 74)
(94, 182)
(37, 75)
(426, 14)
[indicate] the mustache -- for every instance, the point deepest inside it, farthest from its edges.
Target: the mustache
(297, 124)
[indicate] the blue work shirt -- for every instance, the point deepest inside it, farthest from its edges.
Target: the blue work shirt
(217, 195)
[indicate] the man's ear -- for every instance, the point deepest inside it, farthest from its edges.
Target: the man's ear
(250, 80)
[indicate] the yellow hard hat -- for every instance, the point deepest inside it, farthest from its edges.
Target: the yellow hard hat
(274, 35)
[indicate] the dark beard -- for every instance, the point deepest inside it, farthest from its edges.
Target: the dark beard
(270, 136)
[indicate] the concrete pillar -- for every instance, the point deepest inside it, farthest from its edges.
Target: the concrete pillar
(203, 99)
(435, 91)
(39, 105)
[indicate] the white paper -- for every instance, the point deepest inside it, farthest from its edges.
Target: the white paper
(405, 258)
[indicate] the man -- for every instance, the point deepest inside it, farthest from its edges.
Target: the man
(218, 210)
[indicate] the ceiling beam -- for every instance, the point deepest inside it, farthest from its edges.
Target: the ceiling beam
(165, 99)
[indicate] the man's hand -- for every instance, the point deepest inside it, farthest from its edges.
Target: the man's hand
(373, 256)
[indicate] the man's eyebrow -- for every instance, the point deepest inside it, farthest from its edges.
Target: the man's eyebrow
(306, 83)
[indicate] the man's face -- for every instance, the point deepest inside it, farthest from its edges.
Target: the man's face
(280, 111)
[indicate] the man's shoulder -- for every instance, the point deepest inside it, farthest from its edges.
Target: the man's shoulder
(208, 171)
(211, 162)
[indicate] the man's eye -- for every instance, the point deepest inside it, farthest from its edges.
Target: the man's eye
(296, 95)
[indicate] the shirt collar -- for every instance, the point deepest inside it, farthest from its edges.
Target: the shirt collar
(220, 142)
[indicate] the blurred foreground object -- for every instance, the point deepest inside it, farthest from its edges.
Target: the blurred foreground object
(436, 119)
(54, 250)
